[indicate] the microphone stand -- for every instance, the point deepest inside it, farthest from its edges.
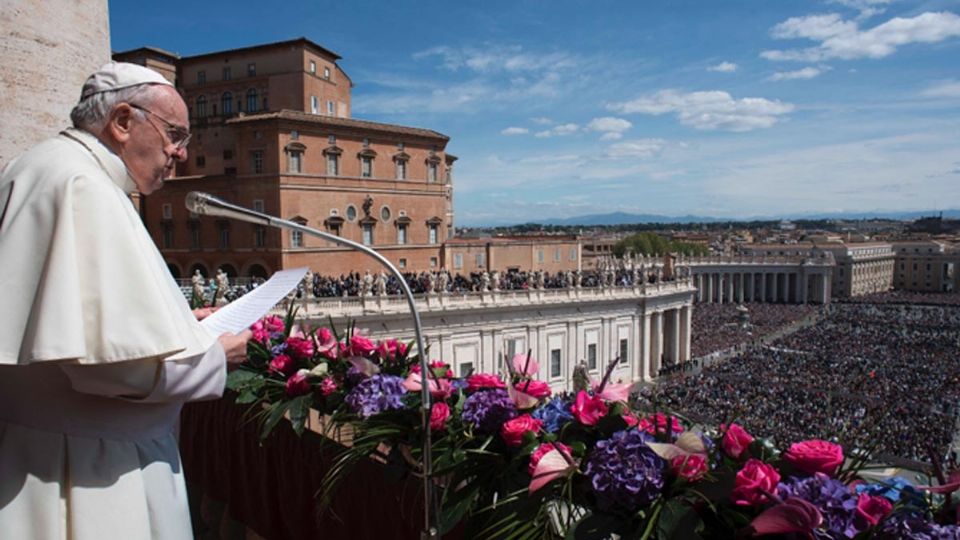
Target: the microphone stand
(206, 204)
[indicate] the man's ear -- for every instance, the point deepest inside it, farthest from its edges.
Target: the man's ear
(121, 123)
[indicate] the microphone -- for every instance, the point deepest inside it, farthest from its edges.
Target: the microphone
(205, 204)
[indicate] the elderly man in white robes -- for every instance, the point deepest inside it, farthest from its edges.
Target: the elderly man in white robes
(98, 347)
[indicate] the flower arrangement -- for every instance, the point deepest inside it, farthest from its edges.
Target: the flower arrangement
(574, 465)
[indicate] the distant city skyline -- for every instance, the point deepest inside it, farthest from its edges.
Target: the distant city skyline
(727, 110)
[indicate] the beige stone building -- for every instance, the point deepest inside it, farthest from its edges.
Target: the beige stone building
(924, 266)
(528, 253)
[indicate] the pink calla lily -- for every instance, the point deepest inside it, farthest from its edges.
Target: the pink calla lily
(793, 515)
(439, 388)
(521, 399)
(524, 368)
(612, 391)
(953, 484)
(688, 443)
(364, 366)
(552, 465)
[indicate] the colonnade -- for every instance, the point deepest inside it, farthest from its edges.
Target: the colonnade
(664, 339)
(739, 285)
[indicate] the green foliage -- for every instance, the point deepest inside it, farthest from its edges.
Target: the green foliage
(649, 243)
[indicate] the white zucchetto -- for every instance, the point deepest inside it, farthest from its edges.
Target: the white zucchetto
(114, 76)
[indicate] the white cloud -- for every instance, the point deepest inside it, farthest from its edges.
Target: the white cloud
(558, 131)
(541, 120)
(867, 8)
(945, 89)
(609, 124)
(611, 136)
(723, 67)
(497, 58)
(839, 38)
(639, 148)
(709, 110)
(515, 131)
(805, 73)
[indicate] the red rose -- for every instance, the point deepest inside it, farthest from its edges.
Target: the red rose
(512, 430)
(273, 324)
(283, 364)
(691, 467)
(484, 380)
(300, 347)
(361, 346)
(755, 478)
(587, 409)
(542, 450)
(438, 415)
(735, 441)
(657, 423)
(872, 509)
(298, 385)
(815, 456)
(328, 386)
(537, 389)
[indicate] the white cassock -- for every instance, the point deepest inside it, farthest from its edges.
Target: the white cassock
(98, 352)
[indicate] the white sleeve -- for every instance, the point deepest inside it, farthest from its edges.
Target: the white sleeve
(150, 381)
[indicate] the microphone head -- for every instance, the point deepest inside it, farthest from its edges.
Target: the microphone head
(196, 202)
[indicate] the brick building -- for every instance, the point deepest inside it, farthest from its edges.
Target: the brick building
(273, 131)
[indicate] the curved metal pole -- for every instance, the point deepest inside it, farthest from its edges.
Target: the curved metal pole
(206, 204)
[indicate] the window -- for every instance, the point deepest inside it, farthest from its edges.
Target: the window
(624, 350)
(433, 262)
(201, 77)
(226, 73)
(592, 356)
(326, 73)
(573, 254)
(458, 260)
(385, 213)
(402, 263)
(368, 234)
(294, 161)
(556, 255)
(201, 106)
(294, 134)
(257, 161)
(167, 236)
(167, 211)
(251, 100)
(226, 103)
(331, 110)
(431, 172)
(314, 105)
(401, 169)
(481, 260)
(366, 166)
(333, 164)
(555, 363)
(432, 234)
(201, 161)
(251, 70)
(351, 212)
(259, 236)
(313, 67)
(401, 234)
(332, 140)
(224, 236)
(258, 205)
(195, 236)
(465, 369)
(296, 238)
(539, 255)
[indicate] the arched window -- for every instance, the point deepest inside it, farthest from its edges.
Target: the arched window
(251, 100)
(226, 103)
(201, 106)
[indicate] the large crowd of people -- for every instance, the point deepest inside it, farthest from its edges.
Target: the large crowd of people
(871, 376)
(720, 327)
(905, 297)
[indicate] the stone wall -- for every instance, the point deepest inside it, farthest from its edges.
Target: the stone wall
(48, 49)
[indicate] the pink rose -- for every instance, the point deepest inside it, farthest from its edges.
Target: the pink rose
(755, 478)
(439, 388)
(630, 418)
(273, 324)
(872, 509)
(815, 456)
(484, 380)
(735, 441)
(512, 430)
(538, 454)
(283, 364)
(300, 347)
(298, 385)
(260, 335)
(537, 389)
(657, 423)
(438, 415)
(587, 409)
(326, 344)
(361, 346)
(328, 386)
(691, 467)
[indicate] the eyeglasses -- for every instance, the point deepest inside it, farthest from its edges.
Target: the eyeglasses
(177, 136)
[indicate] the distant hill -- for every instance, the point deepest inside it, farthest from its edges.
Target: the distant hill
(619, 218)
(623, 218)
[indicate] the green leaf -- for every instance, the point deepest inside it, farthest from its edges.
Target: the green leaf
(239, 378)
(247, 396)
(593, 527)
(299, 411)
(678, 522)
(274, 414)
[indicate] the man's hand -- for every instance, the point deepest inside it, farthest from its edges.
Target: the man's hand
(204, 312)
(235, 346)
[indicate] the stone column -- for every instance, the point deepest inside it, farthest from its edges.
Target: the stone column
(686, 320)
(804, 284)
(740, 293)
(729, 287)
(785, 287)
(775, 297)
(674, 336)
(646, 371)
(656, 342)
(708, 286)
(48, 50)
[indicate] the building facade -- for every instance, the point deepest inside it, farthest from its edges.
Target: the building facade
(505, 254)
(924, 266)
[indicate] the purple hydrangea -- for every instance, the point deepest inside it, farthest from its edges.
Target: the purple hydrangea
(376, 394)
(625, 473)
(554, 414)
(832, 497)
(913, 526)
(278, 349)
(487, 410)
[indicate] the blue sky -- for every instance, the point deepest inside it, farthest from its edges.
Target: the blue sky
(562, 108)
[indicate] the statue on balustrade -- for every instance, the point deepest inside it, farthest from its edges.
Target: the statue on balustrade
(484, 281)
(578, 278)
(380, 284)
(495, 278)
(432, 283)
(443, 281)
(366, 286)
(197, 281)
(223, 284)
